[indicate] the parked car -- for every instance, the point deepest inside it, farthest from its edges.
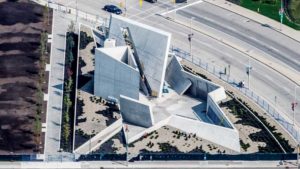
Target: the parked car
(152, 1)
(113, 9)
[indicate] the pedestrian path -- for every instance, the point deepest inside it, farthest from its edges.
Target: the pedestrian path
(56, 81)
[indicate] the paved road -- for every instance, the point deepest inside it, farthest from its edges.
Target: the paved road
(256, 37)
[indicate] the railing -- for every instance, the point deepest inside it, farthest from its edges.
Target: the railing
(219, 72)
(96, 19)
(188, 157)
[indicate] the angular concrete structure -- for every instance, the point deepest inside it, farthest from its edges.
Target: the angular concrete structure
(187, 113)
(115, 73)
(151, 47)
(135, 112)
(137, 68)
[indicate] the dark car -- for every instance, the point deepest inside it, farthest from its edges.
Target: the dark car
(113, 9)
(152, 1)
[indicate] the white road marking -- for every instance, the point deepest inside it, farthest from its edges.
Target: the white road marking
(194, 3)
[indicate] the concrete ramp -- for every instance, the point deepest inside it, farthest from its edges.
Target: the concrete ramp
(95, 142)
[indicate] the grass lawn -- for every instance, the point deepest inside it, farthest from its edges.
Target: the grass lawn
(270, 8)
(294, 10)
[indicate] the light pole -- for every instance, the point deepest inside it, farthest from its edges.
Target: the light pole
(60, 151)
(281, 12)
(126, 139)
(248, 70)
(76, 13)
(294, 104)
(48, 12)
(228, 73)
(125, 8)
(190, 35)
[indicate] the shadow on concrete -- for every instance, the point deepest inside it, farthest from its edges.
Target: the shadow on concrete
(61, 35)
(59, 86)
(56, 108)
(59, 49)
(57, 93)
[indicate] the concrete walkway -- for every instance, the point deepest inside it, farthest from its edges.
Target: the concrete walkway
(55, 91)
(292, 33)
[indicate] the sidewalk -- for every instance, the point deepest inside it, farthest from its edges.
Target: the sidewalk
(55, 92)
(151, 164)
(290, 32)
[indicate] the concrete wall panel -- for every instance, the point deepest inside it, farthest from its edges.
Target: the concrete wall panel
(152, 46)
(114, 78)
(136, 112)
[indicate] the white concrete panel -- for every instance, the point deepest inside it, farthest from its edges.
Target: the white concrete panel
(225, 137)
(113, 77)
(136, 112)
(152, 49)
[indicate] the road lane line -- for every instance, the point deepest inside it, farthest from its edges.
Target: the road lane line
(194, 3)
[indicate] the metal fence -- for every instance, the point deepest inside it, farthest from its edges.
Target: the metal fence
(219, 72)
(188, 156)
(95, 19)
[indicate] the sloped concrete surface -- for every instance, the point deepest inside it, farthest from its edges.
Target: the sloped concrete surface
(152, 50)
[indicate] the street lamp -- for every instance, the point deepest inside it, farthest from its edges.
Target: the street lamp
(248, 70)
(76, 13)
(126, 139)
(190, 36)
(294, 103)
(190, 41)
(125, 8)
(60, 151)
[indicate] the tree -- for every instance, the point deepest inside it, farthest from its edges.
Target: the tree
(66, 133)
(69, 49)
(67, 102)
(69, 85)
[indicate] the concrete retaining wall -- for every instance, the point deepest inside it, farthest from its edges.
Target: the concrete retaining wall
(96, 141)
(223, 136)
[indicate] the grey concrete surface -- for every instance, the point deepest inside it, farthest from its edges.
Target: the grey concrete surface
(152, 50)
(200, 88)
(136, 112)
(54, 108)
(176, 79)
(113, 77)
(152, 164)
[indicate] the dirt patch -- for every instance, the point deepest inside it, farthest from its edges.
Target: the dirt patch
(21, 25)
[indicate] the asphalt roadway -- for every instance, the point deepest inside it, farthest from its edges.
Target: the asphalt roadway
(259, 39)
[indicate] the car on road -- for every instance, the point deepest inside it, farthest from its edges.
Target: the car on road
(113, 9)
(152, 1)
